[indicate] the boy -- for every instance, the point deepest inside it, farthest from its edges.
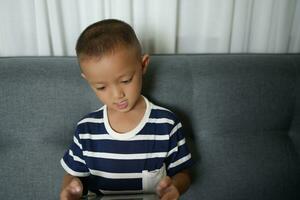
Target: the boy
(129, 145)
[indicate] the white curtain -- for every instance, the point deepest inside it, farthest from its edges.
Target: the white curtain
(51, 27)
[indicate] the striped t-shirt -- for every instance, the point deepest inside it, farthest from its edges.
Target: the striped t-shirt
(131, 162)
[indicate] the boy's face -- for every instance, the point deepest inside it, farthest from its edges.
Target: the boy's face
(116, 78)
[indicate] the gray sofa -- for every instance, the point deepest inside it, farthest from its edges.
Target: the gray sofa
(241, 114)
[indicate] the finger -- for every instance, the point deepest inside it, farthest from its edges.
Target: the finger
(73, 191)
(170, 194)
(162, 191)
(75, 187)
(162, 185)
(69, 195)
(165, 182)
(65, 195)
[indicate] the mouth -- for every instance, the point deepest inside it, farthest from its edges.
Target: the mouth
(122, 105)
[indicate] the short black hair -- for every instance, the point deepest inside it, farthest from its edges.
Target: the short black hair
(104, 37)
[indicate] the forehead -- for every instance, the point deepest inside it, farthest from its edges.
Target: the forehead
(118, 63)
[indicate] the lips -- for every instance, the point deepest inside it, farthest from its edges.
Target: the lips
(122, 104)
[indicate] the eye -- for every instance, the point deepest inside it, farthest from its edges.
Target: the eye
(127, 81)
(100, 88)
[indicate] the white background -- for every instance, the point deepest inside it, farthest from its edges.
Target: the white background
(51, 27)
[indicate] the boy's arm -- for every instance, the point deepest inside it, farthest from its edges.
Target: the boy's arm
(182, 181)
(72, 188)
(173, 187)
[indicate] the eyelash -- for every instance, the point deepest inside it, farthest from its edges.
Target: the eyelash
(100, 89)
(127, 81)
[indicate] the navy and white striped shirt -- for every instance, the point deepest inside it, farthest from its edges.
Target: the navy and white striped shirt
(131, 162)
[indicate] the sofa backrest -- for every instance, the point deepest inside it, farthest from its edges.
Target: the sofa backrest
(241, 114)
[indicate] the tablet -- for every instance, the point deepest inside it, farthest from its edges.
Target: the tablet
(123, 197)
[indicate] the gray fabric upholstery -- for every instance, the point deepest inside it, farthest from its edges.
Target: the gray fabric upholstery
(241, 114)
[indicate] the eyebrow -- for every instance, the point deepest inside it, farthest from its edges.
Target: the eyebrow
(131, 73)
(128, 73)
(98, 83)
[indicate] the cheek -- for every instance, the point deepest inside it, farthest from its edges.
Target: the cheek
(138, 81)
(136, 86)
(101, 96)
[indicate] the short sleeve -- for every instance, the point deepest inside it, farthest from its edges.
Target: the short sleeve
(179, 156)
(73, 161)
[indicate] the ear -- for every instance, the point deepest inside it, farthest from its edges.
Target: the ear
(145, 62)
(83, 76)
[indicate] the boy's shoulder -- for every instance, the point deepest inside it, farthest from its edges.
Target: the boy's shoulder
(94, 115)
(163, 112)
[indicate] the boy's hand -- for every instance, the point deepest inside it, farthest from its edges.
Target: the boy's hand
(166, 190)
(73, 191)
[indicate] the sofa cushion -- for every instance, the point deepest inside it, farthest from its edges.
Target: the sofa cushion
(241, 114)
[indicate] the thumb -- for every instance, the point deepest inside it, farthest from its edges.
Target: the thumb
(75, 187)
(163, 184)
(72, 191)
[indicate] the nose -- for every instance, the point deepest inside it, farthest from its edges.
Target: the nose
(118, 92)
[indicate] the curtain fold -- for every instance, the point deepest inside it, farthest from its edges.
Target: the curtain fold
(51, 27)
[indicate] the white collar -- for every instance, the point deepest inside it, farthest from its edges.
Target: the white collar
(131, 133)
